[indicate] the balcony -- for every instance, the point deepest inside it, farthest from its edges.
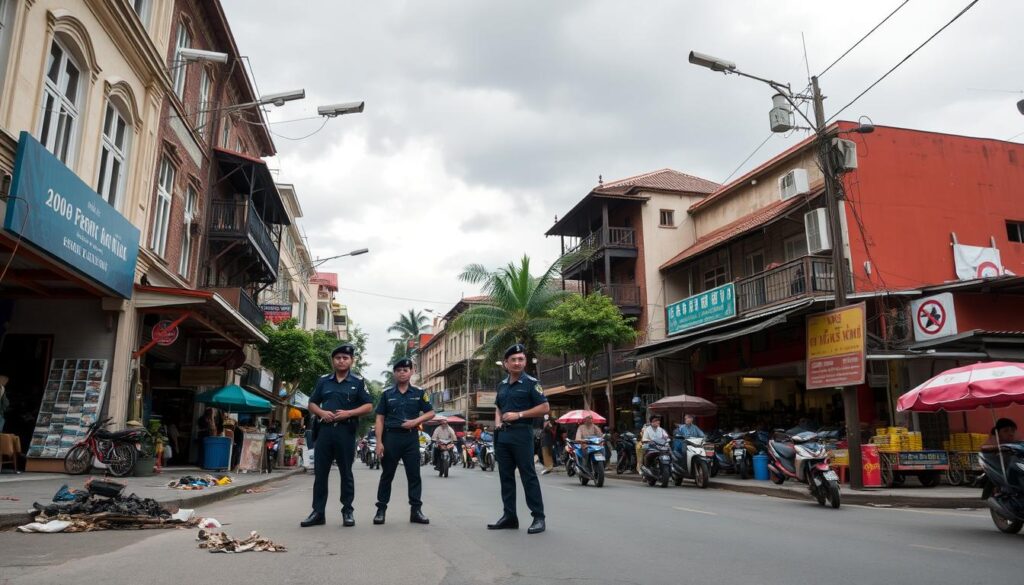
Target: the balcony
(238, 221)
(239, 299)
(625, 296)
(621, 242)
(803, 277)
(571, 374)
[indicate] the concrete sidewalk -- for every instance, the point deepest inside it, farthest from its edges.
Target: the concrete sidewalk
(40, 487)
(913, 496)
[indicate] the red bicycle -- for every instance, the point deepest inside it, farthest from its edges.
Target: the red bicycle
(116, 450)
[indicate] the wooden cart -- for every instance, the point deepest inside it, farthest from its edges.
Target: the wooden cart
(928, 466)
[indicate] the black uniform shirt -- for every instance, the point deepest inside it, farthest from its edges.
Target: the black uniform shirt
(397, 407)
(523, 394)
(348, 394)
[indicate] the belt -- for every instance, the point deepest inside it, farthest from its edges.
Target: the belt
(337, 423)
(399, 430)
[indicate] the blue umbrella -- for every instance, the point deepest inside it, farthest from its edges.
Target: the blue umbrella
(234, 398)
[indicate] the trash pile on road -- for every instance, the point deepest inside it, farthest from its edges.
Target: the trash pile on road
(198, 482)
(220, 542)
(103, 507)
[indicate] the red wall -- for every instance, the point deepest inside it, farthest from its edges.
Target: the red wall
(913, 188)
(991, 311)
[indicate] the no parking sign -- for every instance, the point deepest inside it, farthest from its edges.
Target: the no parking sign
(933, 317)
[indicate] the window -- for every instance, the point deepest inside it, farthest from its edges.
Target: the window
(6, 19)
(113, 156)
(142, 9)
(60, 103)
(1015, 231)
(179, 66)
(204, 102)
(713, 270)
(191, 196)
(716, 276)
(667, 218)
(225, 133)
(162, 213)
(755, 263)
(795, 247)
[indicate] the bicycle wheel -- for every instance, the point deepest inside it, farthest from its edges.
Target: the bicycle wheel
(78, 460)
(122, 460)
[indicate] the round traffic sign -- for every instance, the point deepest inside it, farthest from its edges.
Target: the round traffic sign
(931, 316)
(164, 334)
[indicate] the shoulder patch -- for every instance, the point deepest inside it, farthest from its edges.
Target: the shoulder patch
(540, 390)
(426, 397)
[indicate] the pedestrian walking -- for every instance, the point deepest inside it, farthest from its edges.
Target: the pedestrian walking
(547, 445)
(338, 400)
(519, 400)
(400, 412)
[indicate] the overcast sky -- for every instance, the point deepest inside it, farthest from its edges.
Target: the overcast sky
(485, 120)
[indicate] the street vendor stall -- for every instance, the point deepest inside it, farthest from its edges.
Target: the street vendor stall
(234, 398)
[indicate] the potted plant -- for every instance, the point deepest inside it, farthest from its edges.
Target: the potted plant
(149, 447)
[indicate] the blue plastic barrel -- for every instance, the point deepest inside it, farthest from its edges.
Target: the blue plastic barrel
(761, 467)
(216, 452)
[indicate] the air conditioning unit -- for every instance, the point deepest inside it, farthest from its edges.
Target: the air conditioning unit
(844, 154)
(816, 229)
(793, 183)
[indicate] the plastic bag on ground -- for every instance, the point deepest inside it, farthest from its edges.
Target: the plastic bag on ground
(209, 523)
(49, 527)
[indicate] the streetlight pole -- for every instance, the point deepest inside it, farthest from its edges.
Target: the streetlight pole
(822, 139)
(319, 261)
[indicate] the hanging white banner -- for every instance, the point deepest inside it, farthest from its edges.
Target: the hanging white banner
(973, 262)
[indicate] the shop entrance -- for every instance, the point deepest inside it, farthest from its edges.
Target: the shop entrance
(25, 360)
(175, 407)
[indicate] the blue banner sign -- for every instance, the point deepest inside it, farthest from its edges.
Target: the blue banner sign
(53, 209)
(707, 307)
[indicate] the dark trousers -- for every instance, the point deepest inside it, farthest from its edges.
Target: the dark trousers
(514, 450)
(334, 444)
(404, 447)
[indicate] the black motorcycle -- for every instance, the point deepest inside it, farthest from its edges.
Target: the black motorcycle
(625, 447)
(657, 466)
(1003, 486)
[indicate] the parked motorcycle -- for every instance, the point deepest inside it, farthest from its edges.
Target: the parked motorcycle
(588, 457)
(273, 447)
(803, 458)
(740, 451)
(626, 449)
(1004, 493)
(117, 450)
(689, 461)
(657, 466)
(371, 454)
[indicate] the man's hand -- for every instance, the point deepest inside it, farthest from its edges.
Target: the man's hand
(380, 450)
(328, 416)
(340, 415)
(409, 424)
(510, 416)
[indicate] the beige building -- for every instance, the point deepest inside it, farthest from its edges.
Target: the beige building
(295, 268)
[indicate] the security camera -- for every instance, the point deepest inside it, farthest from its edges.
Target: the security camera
(189, 54)
(341, 109)
(712, 63)
(278, 99)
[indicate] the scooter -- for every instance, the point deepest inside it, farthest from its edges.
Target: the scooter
(361, 449)
(485, 455)
(1004, 493)
(445, 457)
(689, 461)
(426, 452)
(588, 459)
(469, 454)
(802, 458)
(371, 454)
(273, 446)
(657, 466)
(739, 451)
(626, 449)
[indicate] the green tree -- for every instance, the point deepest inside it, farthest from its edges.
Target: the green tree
(289, 352)
(375, 389)
(408, 328)
(585, 326)
(324, 343)
(517, 307)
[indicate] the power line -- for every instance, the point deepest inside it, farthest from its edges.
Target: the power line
(326, 120)
(750, 156)
(373, 294)
(847, 52)
(904, 60)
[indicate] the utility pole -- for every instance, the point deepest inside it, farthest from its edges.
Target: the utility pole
(850, 395)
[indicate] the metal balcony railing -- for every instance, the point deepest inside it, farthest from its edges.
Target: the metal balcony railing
(238, 219)
(618, 237)
(802, 277)
(571, 374)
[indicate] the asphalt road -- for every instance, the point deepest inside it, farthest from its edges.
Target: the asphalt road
(624, 532)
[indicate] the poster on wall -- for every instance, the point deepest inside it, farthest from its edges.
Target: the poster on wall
(72, 401)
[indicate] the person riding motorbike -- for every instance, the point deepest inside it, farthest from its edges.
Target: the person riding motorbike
(1004, 432)
(443, 433)
(654, 432)
(588, 429)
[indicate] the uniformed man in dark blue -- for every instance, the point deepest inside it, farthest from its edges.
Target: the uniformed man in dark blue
(339, 399)
(519, 401)
(401, 410)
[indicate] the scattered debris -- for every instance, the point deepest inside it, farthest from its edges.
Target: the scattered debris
(87, 504)
(257, 490)
(66, 494)
(105, 487)
(10, 498)
(184, 515)
(51, 526)
(221, 542)
(198, 482)
(209, 523)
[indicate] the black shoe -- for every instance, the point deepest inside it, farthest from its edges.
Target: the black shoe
(506, 522)
(314, 519)
(347, 519)
(379, 517)
(537, 526)
(417, 517)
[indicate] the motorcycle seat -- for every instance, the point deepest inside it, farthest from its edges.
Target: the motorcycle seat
(785, 450)
(104, 434)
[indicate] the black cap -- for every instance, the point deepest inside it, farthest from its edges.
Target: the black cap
(345, 348)
(517, 348)
(402, 363)
(1004, 423)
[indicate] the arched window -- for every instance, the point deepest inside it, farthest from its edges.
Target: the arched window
(113, 155)
(179, 66)
(62, 97)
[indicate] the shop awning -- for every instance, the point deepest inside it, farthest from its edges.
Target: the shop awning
(205, 309)
(721, 332)
(252, 176)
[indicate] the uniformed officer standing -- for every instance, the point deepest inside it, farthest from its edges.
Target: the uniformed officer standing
(401, 410)
(520, 399)
(339, 399)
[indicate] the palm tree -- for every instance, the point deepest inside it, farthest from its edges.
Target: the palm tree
(517, 307)
(408, 327)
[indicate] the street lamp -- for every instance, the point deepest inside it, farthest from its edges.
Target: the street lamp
(335, 110)
(850, 397)
(358, 252)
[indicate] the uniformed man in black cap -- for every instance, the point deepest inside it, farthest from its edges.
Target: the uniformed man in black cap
(520, 399)
(401, 410)
(339, 399)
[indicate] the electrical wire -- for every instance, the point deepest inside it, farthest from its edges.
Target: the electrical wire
(847, 52)
(17, 242)
(903, 60)
(326, 120)
(384, 296)
(750, 156)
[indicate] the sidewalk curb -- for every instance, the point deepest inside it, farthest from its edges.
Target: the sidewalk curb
(865, 498)
(175, 499)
